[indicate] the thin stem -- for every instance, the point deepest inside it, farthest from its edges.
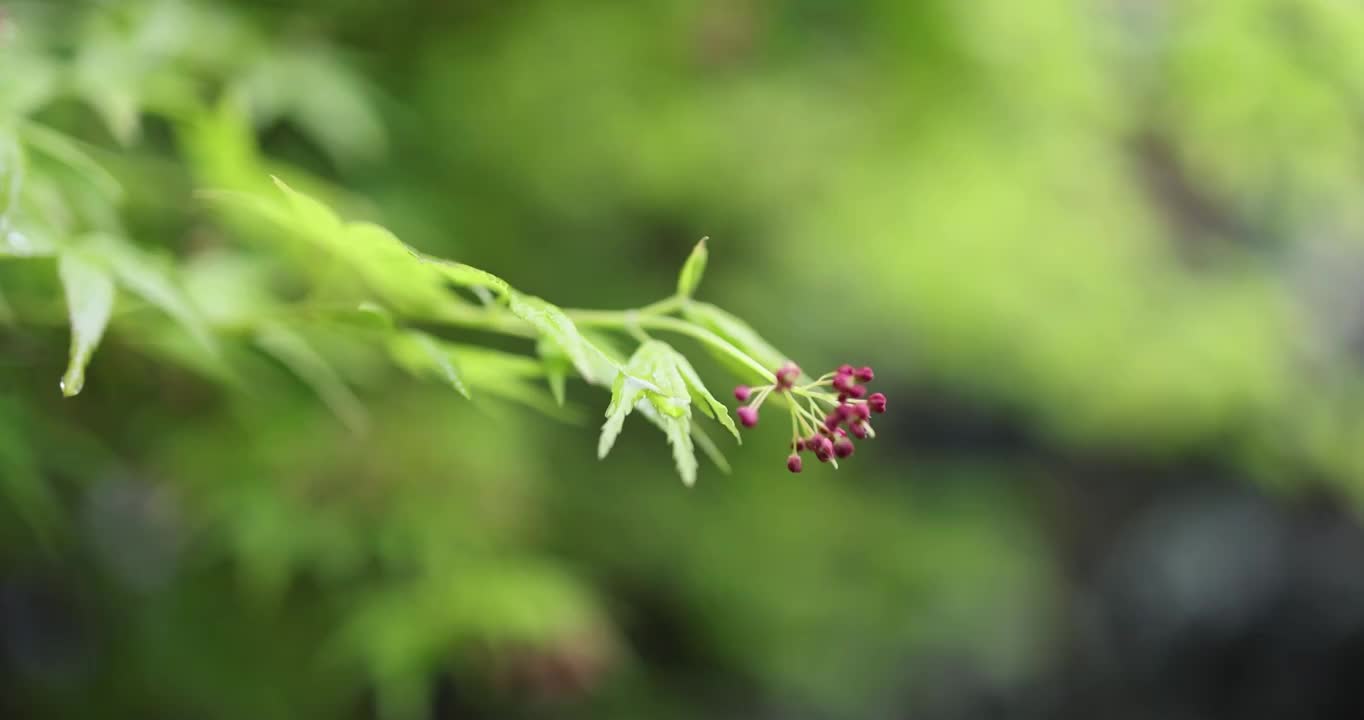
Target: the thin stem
(490, 318)
(665, 306)
(594, 318)
(814, 410)
(826, 397)
(805, 424)
(632, 326)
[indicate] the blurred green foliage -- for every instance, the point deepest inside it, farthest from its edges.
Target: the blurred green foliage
(1130, 227)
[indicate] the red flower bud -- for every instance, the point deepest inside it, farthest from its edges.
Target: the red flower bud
(742, 393)
(858, 429)
(845, 369)
(748, 416)
(843, 448)
(865, 374)
(877, 402)
(858, 391)
(793, 463)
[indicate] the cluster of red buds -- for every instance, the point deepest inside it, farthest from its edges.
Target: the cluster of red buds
(825, 414)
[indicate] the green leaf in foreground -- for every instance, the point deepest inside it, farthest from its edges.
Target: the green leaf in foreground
(397, 274)
(510, 377)
(11, 173)
(556, 365)
(625, 392)
(296, 354)
(702, 399)
(678, 431)
(89, 290)
(594, 366)
(466, 275)
(666, 401)
(153, 281)
(68, 151)
(693, 270)
(16, 242)
(422, 355)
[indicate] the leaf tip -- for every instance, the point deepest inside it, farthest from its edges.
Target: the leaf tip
(693, 269)
(72, 383)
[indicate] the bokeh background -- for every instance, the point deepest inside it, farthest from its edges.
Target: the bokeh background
(1104, 255)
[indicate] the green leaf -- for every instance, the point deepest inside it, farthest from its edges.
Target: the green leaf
(658, 363)
(228, 288)
(481, 364)
(150, 278)
(296, 354)
(11, 173)
(371, 315)
(738, 333)
(118, 109)
(666, 424)
(89, 292)
(395, 272)
(556, 364)
(678, 431)
(594, 366)
(664, 399)
(322, 96)
(709, 447)
(16, 243)
(311, 214)
(693, 270)
(508, 376)
(68, 151)
(556, 379)
(423, 355)
(108, 74)
(466, 275)
(701, 397)
(625, 392)
(31, 80)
